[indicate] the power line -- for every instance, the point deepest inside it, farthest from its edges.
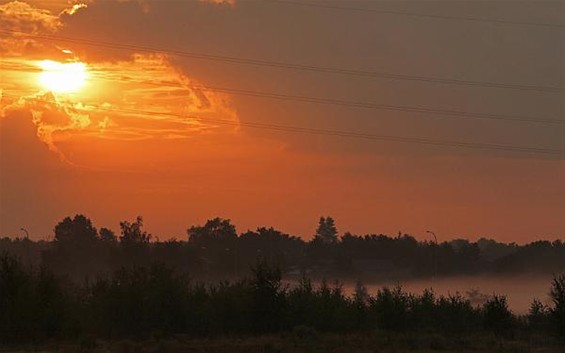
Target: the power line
(443, 113)
(345, 133)
(295, 66)
(417, 15)
(353, 134)
(367, 105)
(450, 114)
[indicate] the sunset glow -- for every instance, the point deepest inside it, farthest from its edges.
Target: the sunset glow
(62, 77)
(194, 109)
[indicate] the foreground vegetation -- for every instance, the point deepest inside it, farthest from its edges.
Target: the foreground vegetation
(298, 341)
(157, 302)
(91, 290)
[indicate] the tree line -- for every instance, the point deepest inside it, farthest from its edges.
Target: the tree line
(216, 251)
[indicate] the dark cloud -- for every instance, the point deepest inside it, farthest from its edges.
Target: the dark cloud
(454, 49)
(34, 182)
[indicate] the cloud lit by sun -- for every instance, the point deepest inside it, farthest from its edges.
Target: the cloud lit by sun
(70, 96)
(62, 77)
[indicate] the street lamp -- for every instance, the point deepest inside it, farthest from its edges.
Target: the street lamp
(432, 233)
(25, 230)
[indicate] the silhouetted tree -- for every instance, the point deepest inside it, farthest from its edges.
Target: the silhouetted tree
(326, 231)
(423, 308)
(538, 316)
(538, 256)
(76, 251)
(133, 233)
(214, 251)
(107, 235)
(217, 229)
(301, 299)
(215, 242)
(268, 297)
(134, 243)
(138, 301)
(77, 231)
(142, 301)
(455, 314)
(391, 307)
(361, 301)
(496, 316)
(33, 304)
(557, 312)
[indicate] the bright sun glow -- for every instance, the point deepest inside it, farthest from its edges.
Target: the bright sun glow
(62, 77)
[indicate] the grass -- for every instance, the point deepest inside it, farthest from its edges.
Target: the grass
(304, 340)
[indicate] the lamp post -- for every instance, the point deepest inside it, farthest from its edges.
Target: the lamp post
(25, 231)
(435, 251)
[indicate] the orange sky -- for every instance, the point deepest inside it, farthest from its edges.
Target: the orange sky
(143, 134)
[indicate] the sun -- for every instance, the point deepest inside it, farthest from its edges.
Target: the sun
(62, 77)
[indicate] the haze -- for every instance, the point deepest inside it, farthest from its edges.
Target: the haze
(180, 139)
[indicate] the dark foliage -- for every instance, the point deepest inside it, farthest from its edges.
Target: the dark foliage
(92, 282)
(139, 302)
(538, 316)
(33, 304)
(557, 312)
(215, 251)
(496, 316)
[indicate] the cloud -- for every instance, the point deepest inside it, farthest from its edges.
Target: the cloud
(74, 9)
(49, 117)
(20, 16)
(221, 2)
(128, 97)
(36, 186)
(143, 98)
(21, 21)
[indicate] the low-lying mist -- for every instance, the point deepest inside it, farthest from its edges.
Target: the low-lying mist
(520, 290)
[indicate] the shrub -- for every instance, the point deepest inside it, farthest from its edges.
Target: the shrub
(33, 304)
(455, 314)
(538, 316)
(496, 316)
(557, 312)
(138, 300)
(268, 297)
(391, 307)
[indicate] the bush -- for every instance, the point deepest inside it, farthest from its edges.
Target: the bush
(330, 308)
(557, 312)
(143, 301)
(423, 308)
(33, 303)
(138, 300)
(391, 307)
(538, 316)
(496, 316)
(455, 314)
(268, 297)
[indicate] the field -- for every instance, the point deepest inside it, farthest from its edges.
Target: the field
(306, 341)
